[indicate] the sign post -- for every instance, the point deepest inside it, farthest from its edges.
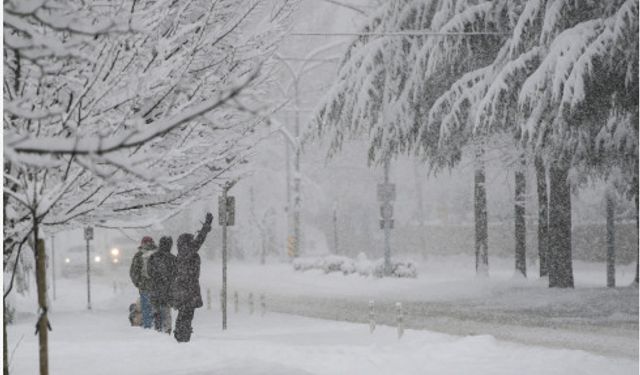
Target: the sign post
(226, 217)
(88, 235)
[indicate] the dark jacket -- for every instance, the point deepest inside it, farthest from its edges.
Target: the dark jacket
(185, 289)
(139, 269)
(162, 270)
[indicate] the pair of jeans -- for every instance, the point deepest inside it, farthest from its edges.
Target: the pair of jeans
(147, 309)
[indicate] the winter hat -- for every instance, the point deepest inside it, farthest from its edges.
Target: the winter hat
(147, 243)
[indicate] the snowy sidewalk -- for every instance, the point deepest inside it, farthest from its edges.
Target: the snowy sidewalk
(101, 342)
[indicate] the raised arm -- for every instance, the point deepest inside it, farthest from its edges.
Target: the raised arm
(202, 234)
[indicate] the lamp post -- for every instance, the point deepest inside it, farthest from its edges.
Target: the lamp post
(297, 73)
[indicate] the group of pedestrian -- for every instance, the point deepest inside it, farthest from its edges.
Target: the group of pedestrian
(167, 281)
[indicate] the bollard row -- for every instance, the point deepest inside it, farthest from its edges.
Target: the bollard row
(399, 318)
(236, 302)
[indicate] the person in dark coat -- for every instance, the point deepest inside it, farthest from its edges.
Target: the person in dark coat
(185, 290)
(162, 271)
(140, 277)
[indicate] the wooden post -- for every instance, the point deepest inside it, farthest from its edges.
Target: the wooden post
(372, 317)
(400, 319)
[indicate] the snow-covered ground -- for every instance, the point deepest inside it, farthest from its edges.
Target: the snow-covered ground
(101, 342)
(525, 312)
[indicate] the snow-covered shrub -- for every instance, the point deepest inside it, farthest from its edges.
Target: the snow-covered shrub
(402, 269)
(307, 263)
(363, 265)
(334, 263)
(348, 266)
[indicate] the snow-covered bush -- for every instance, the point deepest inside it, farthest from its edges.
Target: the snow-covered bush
(402, 269)
(363, 266)
(308, 263)
(336, 263)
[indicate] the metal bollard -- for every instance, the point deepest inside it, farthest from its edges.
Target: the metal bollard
(251, 303)
(235, 302)
(400, 319)
(263, 305)
(208, 298)
(372, 317)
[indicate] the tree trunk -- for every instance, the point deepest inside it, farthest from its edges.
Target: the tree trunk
(559, 260)
(637, 228)
(611, 250)
(543, 217)
(418, 183)
(520, 225)
(5, 357)
(43, 320)
(480, 211)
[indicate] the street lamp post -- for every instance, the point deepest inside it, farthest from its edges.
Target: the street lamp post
(296, 74)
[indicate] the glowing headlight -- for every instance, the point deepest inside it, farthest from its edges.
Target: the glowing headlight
(115, 252)
(97, 259)
(67, 260)
(115, 260)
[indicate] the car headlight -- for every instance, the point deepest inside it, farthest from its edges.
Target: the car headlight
(97, 259)
(67, 260)
(115, 260)
(115, 252)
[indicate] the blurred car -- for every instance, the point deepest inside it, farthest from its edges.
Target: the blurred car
(120, 252)
(74, 261)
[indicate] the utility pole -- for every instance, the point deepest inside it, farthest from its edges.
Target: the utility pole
(226, 217)
(88, 235)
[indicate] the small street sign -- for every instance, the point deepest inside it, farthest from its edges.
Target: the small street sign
(88, 233)
(386, 192)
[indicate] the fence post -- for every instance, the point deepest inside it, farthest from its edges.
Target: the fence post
(251, 303)
(372, 317)
(400, 319)
(208, 298)
(263, 304)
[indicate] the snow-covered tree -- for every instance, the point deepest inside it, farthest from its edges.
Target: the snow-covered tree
(552, 74)
(120, 112)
